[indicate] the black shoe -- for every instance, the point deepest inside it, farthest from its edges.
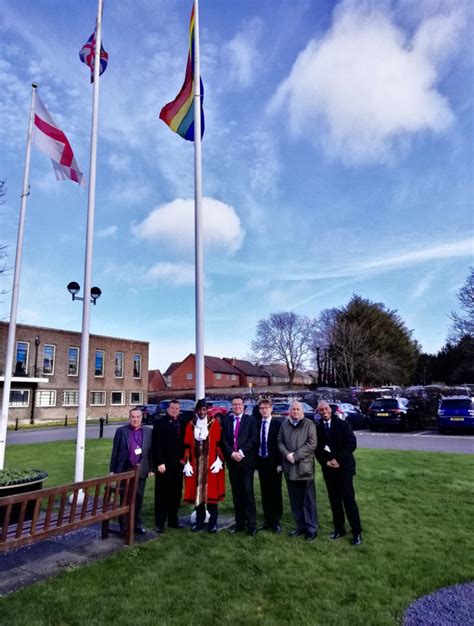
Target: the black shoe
(337, 534)
(265, 526)
(212, 529)
(310, 536)
(356, 540)
(297, 532)
(196, 528)
(236, 529)
(252, 531)
(160, 530)
(139, 530)
(276, 529)
(178, 525)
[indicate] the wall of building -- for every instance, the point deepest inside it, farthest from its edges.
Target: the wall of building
(109, 388)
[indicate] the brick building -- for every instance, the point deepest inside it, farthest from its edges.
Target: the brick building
(217, 373)
(45, 381)
(250, 375)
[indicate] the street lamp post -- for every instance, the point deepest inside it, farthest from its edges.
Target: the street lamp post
(95, 293)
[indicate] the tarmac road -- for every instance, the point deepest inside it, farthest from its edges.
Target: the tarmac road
(426, 440)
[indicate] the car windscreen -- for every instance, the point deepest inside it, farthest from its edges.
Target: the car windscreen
(278, 408)
(384, 405)
(456, 403)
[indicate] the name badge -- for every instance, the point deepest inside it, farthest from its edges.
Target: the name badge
(138, 451)
(327, 449)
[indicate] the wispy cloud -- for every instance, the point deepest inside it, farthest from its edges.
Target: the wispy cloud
(366, 86)
(242, 54)
(176, 274)
(108, 231)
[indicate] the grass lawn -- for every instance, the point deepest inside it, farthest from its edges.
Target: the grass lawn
(416, 511)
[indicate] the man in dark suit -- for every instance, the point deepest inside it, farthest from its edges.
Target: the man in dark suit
(239, 445)
(132, 446)
(336, 444)
(167, 452)
(269, 467)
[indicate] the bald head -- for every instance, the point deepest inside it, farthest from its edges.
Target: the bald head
(324, 410)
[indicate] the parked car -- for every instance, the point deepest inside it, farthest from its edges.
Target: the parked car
(455, 413)
(218, 408)
(149, 412)
(393, 412)
(282, 409)
(350, 413)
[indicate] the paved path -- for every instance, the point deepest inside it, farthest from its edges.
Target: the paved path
(427, 440)
(43, 435)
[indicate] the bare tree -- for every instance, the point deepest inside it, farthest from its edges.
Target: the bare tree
(463, 323)
(285, 337)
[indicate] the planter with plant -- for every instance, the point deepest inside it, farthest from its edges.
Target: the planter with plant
(16, 481)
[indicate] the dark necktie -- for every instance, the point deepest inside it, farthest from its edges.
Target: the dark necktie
(236, 433)
(263, 445)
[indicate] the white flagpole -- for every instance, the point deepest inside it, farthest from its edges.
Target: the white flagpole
(16, 286)
(84, 360)
(198, 240)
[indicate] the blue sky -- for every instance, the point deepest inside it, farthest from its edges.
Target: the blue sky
(337, 159)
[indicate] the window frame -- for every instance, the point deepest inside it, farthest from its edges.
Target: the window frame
(137, 354)
(77, 360)
(19, 405)
(140, 397)
(70, 391)
(27, 344)
(40, 392)
(49, 345)
(103, 363)
(91, 398)
(122, 364)
(122, 403)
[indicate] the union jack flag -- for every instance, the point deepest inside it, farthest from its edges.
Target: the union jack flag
(87, 56)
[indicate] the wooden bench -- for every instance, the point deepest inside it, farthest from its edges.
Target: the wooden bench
(91, 501)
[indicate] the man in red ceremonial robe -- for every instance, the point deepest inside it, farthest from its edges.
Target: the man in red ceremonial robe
(204, 482)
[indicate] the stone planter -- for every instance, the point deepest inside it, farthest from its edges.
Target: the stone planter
(13, 490)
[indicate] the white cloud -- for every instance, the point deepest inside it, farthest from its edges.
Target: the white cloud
(174, 223)
(242, 54)
(176, 274)
(365, 86)
(108, 231)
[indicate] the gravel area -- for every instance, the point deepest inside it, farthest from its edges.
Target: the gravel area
(453, 606)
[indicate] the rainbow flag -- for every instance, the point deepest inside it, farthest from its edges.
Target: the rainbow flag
(179, 114)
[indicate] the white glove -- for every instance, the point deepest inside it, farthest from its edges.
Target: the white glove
(216, 466)
(188, 469)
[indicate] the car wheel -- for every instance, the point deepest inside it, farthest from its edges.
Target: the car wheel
(373, 429)
(442, 431)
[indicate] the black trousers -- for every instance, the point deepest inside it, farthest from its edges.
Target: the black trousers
(241, 482)
(342, 498)
(201, 514)
(168, 493)
(302, 494)
(270, 488)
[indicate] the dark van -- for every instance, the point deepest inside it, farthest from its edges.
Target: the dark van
(455, 413)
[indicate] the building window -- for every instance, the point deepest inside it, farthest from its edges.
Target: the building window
(21, 363)
(136, 397)
(117, 398)
(99, 362)
(45, 397)
(19, 398)
(49, 353)
(97, 398)
(70, 397)
(137, 366)
(218, 376)
(189, 376)
(234, 377)
(119, 364)
(73, 362)
(250, 379)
